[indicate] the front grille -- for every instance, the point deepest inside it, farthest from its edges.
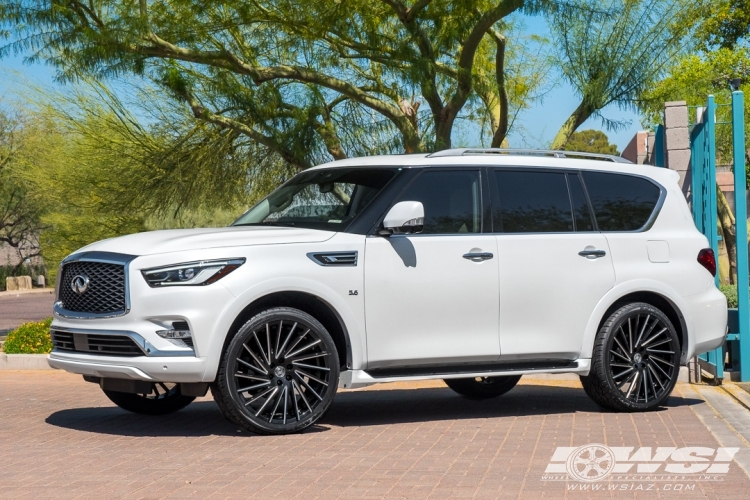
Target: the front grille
(105, 292)
(111, 345)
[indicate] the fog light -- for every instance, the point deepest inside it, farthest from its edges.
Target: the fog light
(181, 338)
(174, 334)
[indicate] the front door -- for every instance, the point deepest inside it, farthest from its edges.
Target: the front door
(432, 298)
(554, 267)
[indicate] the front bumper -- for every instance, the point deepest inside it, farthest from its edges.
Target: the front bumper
(156, 369)
(151, 310)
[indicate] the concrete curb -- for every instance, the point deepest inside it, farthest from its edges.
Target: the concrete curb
(738, 393)
(16, 293)
(24, 362)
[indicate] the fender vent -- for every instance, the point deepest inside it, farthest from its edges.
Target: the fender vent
(334, 258)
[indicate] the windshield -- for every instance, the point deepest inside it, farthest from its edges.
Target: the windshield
(320, 199)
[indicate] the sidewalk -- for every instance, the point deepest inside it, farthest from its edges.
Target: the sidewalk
(33, 291)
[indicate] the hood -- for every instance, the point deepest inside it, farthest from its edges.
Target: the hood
(173, 240)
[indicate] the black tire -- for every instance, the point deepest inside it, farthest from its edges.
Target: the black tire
(482, 387)
(283, 394)
(163, 399)
(636, 360)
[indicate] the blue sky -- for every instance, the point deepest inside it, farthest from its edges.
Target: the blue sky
(537, 124)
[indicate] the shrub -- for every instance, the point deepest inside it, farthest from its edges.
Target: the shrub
(30, 338)
(730, 291)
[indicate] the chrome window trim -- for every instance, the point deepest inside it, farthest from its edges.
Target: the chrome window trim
(145, 346)
(580, 172)
(105, 258)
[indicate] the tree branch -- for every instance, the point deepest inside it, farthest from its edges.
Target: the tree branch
(466, 66)
(501, 131)
(223, 59)
(200, 112)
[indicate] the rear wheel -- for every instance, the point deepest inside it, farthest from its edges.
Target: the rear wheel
(279, 373)
(482, 387)
(163, 399)
(636, 360)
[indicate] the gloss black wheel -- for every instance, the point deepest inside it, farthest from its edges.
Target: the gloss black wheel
(164, 398)
(482, 387)
(279, 373)
(636, 360)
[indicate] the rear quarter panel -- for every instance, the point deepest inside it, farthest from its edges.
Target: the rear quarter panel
(676, 278)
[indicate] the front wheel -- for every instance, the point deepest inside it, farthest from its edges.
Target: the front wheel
(163, 399)
(279, 373)
(482, 387)
(636, 360)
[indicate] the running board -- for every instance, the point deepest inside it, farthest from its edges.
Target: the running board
(503, 366)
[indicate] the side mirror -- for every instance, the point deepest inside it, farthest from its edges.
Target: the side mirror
(405, 217)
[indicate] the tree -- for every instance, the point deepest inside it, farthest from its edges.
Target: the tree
(306, 80)
(721, 23)
(20, 206)
(611, 55)
(591, 141)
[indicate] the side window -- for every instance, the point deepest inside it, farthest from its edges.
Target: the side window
(620, 202)
(451, 199)
(581, 209)
(532, 202)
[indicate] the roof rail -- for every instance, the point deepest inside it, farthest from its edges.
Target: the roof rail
(528, 152)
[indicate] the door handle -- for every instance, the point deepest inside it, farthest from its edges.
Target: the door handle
(478, 256)
(592, 253)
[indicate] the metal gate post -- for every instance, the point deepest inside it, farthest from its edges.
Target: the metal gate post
(696, 165)
(740, 207)
(711, 229)
(710, 218)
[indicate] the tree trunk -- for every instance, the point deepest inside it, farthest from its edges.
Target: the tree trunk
(728, 231)
(443, 129)
(575, 120)
(498, 137)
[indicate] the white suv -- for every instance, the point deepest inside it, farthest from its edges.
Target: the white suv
(474, 266)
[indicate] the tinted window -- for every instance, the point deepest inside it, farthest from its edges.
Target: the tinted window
(532, 202)
(621, 202)
(451, 201)
(320, 199)
(581, 210)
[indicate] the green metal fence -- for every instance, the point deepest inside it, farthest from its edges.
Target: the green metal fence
(703, 190)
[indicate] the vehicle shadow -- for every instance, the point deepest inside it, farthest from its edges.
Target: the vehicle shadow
(349, 409)
(420, 405)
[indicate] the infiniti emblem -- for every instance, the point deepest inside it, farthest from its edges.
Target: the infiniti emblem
(80, 284)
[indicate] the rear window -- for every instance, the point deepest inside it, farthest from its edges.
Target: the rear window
(621, 202)
(532, 202)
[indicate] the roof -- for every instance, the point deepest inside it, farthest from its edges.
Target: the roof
(509, 157)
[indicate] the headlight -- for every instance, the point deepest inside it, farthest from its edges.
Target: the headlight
(191, 273)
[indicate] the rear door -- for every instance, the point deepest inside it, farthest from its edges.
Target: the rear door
(553, 267)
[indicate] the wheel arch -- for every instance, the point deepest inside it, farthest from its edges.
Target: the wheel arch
(661, 302)
(306, 302)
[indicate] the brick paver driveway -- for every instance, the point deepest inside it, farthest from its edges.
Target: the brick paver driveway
(60, 437)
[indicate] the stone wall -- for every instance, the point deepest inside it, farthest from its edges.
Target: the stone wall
(677, 142)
